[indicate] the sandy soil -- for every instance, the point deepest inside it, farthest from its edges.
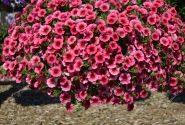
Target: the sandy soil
(21, 106)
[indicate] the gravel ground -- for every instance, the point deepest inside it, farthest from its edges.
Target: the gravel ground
(21, 106)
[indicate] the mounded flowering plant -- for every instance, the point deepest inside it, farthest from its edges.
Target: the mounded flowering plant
(94, 52)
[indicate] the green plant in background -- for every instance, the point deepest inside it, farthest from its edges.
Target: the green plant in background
(179, 5)
(3, 32)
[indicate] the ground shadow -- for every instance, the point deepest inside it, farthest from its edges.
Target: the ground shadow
(25, 97)
(6, 94)
(33, 98)
(180, 98)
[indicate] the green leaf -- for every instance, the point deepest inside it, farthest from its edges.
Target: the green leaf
(57, 92)
(133, 70)
(103, 16)
(78, 107)
(86, 64)
(2, 70)
(140, 2)
(23, 16)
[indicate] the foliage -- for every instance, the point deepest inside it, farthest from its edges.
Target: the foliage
(3, 32)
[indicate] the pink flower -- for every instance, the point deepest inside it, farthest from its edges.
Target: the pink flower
(171, 28)
(115, 37)
(65, 85)
(41, 12)
(173, 11)
(51, 59)
(69, 56)
(153, 86)
(59, 30)
(70, 107)
(76, 51)
(12, 44)
(6, 65)
(99, 58)
(74, 11)
(173, 81)
(113, 45)
(124, 1)
(80, 27)
(12, 65)
(45, 29)
(152, 19)
(65, 98)
(55, 71)
(104, 7)
(128, 28)
(128, 98)
(51, 83)
(124, 21)
(35, 60)
(175, 46)
(91, 15)
(164, 41)
(92, 77)
(180, 40)
(138, 27)
(70, 68)
(98, 3)
(155, 36)
(139, 55)
(48, 19)
(143, 94)
(105, 37)
(81, 44)
(75, 3)
(94, 101)
(125, 78)
(82, 12)
(7, 42)
(129, 61)
(119, 58)
(118, 91)
(114, 71)
(28, 29)
(146, 32)
(101, 28)
(147, 4)
(91, 49)
(78, 64)
(6, 51)
(56, 14)
(81, 95)
(30, 18)
(58, 43)
(103, 80)
(111, 20)
(71, 39)
(38, 68)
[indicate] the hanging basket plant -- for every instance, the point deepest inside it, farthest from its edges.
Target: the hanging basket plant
(93, 52)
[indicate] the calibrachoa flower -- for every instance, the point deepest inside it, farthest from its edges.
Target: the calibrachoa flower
(55, 71)
(97, 51)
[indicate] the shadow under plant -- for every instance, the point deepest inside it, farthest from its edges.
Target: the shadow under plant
(26, 97)
(180, 98)
(33, 98)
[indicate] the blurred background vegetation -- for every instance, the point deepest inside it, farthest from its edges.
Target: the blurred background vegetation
(180, 7)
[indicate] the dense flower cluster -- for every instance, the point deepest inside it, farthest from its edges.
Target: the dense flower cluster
(97, 51)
